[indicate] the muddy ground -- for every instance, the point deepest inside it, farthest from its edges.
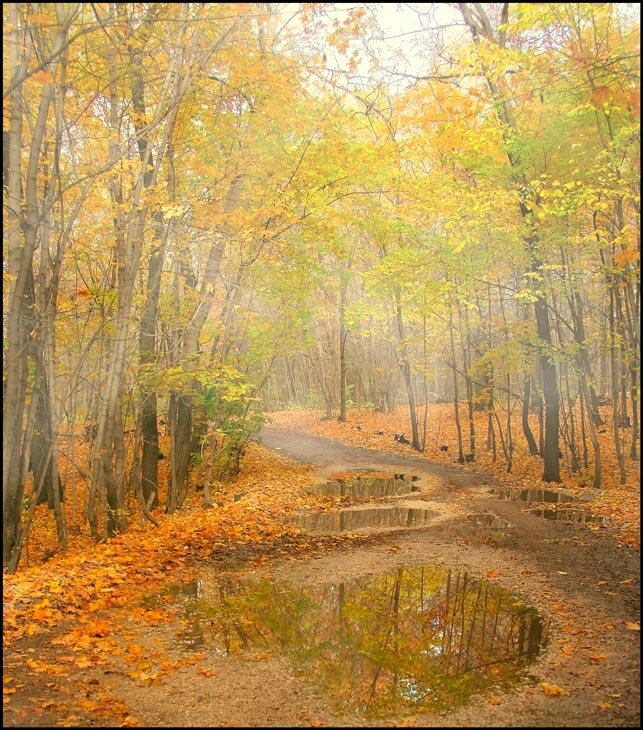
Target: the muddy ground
(583, 582)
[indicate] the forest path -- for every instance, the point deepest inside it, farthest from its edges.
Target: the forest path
(582, 579)
(331, 455)
(583, 582)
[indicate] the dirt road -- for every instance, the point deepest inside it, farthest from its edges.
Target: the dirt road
(330, 456)
(584, 584)
(583, 580)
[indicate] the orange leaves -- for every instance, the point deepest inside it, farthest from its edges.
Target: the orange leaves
(630, 254)
(45, 614)
(206, 672)
(97, 628)
(156, 616)
(40, 667)
(633, 626)
(601, 95)
(596, 658)
(43, 77)
(242, 8)
(551, 690)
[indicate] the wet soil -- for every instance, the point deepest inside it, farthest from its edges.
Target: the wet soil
(581, 580)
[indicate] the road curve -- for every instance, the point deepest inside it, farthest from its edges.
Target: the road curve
(327, 454)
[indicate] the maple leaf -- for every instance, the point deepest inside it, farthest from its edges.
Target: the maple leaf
(552, 690)
(206, 672)
(632, 626)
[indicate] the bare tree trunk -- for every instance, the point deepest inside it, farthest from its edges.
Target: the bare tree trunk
(615, 372)
(598, 468)
(405, 367)
(531, 441)
(343, 334)
(17, 334)
(455, 387)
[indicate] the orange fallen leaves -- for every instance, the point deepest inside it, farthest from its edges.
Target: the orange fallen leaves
(41, 667)
(597, 657)
(551, 690)
(80, 585)
(206, 672)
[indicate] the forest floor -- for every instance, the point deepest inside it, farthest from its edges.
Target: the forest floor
(85, 646)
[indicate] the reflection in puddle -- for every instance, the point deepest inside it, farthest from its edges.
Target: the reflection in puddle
(577, 516)
(533, 495)
(419, 638)
(368, 486)
(354, 519)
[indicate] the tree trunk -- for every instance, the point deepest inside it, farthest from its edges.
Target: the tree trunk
(456, 404)
(480, 26)
(405, 367)
(343, 334)
(531, 441)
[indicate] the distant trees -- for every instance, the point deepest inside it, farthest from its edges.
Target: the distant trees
(201, 218)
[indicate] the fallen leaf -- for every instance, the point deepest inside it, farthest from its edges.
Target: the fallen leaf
(206, 672)
(553, 690)
(604, 705)
(597, 657)
(632, 626)
(492, 573)
(494, 700)
(261, 655)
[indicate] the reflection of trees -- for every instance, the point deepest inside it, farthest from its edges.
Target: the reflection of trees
(417, 637)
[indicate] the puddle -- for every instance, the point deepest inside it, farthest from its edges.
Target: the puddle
(365, 486)
(498, 532)
(355, 519)
(416, 639)
(533, 495)
(575, 516)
